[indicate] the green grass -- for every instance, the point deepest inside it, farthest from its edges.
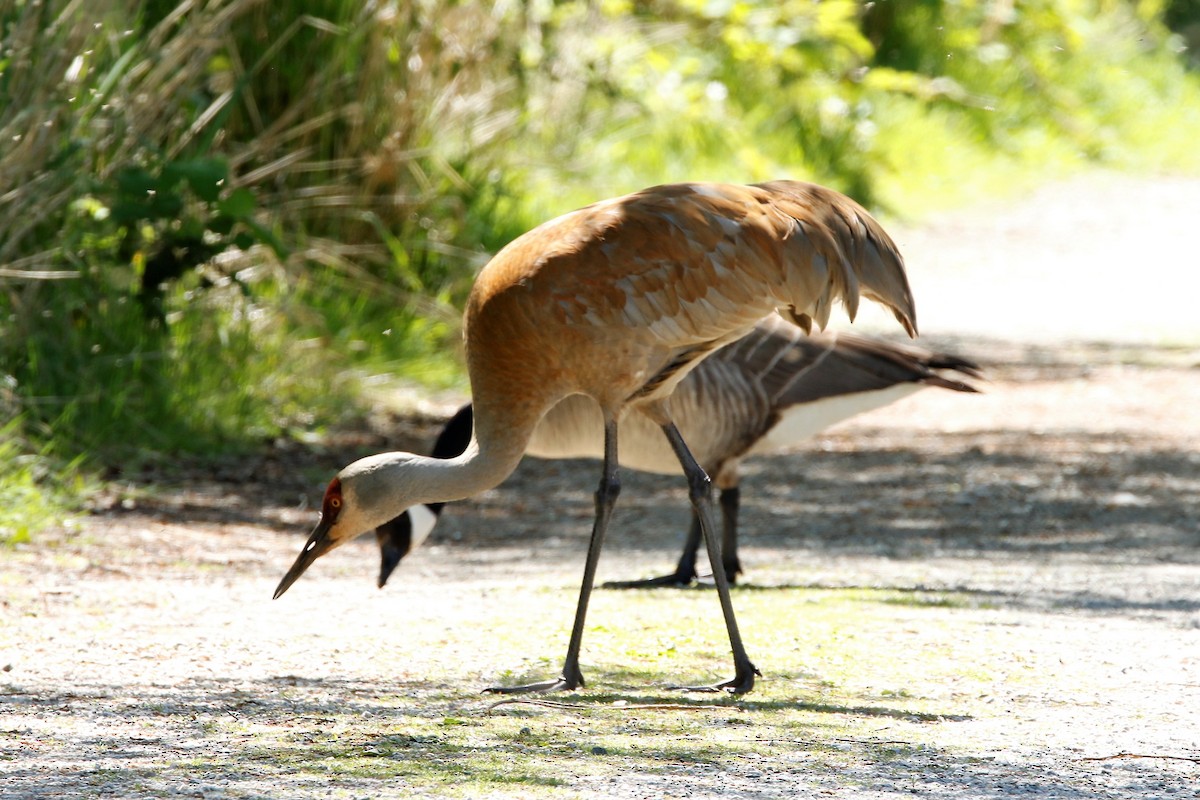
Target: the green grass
(859, 685)
(38, 491)
(349, 202)
(835, 694)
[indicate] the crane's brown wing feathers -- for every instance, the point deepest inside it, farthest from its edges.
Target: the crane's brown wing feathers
(633, 286)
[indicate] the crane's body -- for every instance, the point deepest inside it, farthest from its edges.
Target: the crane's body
(619, 301)
(766, 392)
(769, 390)
(639, 289)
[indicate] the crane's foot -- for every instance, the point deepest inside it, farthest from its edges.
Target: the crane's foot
(570, 680)
(676, 580)
(741, 683)
(541, 687)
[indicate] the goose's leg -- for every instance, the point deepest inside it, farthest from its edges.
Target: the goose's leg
(730, 500)
(606, 498)
(729, 519)
(685, 570)
(700, 493)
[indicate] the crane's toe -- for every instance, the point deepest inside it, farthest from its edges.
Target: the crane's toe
(571, 679)
(741, 683)
(541, 687)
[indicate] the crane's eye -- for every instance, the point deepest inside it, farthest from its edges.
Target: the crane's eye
(333, 499)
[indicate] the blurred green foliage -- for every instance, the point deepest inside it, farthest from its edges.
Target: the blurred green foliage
(217, 218)
(1183, 17)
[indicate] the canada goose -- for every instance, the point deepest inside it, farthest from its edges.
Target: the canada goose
(768, 391)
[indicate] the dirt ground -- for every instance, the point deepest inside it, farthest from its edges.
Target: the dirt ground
(1063, 501)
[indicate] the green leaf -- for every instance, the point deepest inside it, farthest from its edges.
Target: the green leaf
(124, 212)
(150, 207)
(267, 237)
(190, 229)
(165, 205)
(222, 224)
(135, 182)
(205, 176)
(240, 203)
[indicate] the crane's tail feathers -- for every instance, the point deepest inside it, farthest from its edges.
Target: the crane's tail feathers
(803, 320)
(858, 257)
(878, 268)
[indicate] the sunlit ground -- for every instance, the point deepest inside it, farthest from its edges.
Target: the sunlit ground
(1098, 258)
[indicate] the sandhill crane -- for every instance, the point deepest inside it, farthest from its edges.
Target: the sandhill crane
(619, 301)
(769, 390)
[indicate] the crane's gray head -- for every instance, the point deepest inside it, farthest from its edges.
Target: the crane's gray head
(364, 495)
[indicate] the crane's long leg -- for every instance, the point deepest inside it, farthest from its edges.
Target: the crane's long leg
(699, 492)
(606, 498)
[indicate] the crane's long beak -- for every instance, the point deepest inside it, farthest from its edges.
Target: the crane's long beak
(317, 545)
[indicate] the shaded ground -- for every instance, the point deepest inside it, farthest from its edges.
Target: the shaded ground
(996, 596)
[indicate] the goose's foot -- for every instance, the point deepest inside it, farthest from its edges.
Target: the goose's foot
(710, 582)
(676, 580)
(740, 683)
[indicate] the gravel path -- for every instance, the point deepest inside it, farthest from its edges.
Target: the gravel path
(1055, 515)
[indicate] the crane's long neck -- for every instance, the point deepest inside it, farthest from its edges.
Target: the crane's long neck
(411, 479)
(387, 484)
(480, 467)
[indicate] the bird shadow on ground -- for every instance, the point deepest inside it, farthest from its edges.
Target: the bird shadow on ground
(289, 734)
(1115, 499)
(1110, 498)
(895, 492)
(1002, 494)
(957, 596)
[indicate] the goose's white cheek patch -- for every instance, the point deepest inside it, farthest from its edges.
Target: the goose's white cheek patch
(423, 521)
